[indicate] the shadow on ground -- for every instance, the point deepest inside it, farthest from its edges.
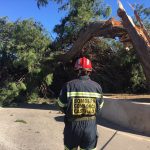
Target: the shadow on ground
(100, 121)
(51, 106)
(140, 100)
(111, 125)
(59, 118)
(108, 124)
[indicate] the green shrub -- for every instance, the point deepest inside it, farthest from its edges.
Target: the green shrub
(49, 79)
(9, 93)
(33, 97)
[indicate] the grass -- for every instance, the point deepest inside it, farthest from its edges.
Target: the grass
(21, 121)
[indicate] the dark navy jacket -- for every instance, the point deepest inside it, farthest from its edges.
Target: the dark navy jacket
(81, 97)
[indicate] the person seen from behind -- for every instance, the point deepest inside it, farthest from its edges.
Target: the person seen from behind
(81, 100)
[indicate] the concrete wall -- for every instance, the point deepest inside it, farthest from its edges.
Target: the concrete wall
(130, 114)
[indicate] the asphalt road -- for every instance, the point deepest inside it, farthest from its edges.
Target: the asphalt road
(40, 127)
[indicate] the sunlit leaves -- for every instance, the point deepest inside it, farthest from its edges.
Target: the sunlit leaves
(49, 79)
(23, 47)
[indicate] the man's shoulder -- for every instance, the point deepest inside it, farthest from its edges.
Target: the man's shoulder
(73, 81)
(66, 84)
(95, 83)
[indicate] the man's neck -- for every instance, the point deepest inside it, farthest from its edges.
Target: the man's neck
(84, 77)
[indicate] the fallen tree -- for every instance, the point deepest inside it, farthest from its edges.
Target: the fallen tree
(125, 30)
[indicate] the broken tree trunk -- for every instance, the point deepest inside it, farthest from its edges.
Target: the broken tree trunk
(139, 40)
(125, 30)
(108, 29)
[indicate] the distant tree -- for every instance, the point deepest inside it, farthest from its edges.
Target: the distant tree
(144, 13)
(78, 14)
(23, 46)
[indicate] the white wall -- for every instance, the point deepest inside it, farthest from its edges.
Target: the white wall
(134, 115)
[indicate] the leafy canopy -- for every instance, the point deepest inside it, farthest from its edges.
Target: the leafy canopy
(23, 46)
(78, 14)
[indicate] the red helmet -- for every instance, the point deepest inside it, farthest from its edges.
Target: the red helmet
(83, 63)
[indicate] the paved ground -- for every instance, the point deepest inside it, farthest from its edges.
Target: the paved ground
(43, 130)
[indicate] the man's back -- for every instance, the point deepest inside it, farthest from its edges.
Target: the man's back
(80, 100)
(84, 84)
(84, 97)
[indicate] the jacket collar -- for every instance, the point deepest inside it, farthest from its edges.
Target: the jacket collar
(86, 77)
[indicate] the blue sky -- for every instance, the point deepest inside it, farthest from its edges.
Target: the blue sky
(49, 16)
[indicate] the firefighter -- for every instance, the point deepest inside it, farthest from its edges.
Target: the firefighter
(81, 100)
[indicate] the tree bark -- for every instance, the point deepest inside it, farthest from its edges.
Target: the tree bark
(96, 29)
(140, 43)
(111, 29)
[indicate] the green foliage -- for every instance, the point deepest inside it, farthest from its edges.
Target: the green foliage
(29, 69)
(12, 90)
(33, 97)
(21, 86)
(49, 79)
(144, 13)
(23, 43)
(42, 3)
(23, 50)
(79, 14)
(138, 79)
(117, 69)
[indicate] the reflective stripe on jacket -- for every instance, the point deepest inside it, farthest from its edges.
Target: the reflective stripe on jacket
(81, 97)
